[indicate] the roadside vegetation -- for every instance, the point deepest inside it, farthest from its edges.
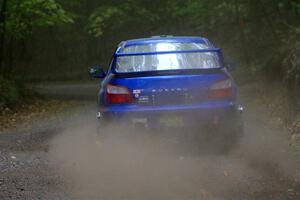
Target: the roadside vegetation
(10, 92)
(56, 40)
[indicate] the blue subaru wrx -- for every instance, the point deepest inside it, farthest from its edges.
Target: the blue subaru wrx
(171, 81)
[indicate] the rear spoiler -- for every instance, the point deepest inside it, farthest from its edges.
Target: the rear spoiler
(215, 50)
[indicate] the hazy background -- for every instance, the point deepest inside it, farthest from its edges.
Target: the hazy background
(58, 40)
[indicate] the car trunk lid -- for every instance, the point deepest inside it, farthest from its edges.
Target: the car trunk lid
(169, 89)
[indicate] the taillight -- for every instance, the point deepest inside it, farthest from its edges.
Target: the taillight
(118, 94)
(221, 90)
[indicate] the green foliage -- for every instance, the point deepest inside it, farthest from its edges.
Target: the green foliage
(109, 17)
(291, 64)
(9, 92)
(255, 31)
(185, 8)
(253, 34)
(25, 16)
(100, 17)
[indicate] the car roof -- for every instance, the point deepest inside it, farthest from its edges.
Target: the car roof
(167, 38)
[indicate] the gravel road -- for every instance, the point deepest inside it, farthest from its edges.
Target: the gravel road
(61, 160)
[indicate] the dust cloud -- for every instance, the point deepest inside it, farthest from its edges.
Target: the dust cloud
(128, 165)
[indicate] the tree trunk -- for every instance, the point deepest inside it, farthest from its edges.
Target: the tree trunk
(9, 64)
(2, 33)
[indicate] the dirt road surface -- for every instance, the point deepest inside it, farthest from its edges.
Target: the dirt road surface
(62, 160)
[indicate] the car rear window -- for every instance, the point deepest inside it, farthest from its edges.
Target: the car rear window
(169, 61)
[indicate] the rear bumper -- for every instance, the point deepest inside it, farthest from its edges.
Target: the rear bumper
(216, 112)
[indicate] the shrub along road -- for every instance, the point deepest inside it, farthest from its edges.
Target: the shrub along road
(59, 159)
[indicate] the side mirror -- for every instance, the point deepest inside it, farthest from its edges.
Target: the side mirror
(230, 66)
(97, 72)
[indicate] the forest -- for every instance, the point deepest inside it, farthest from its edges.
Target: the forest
(57, 40)
(173, 119)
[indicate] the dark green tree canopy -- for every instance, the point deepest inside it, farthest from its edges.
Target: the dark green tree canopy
(261, 35)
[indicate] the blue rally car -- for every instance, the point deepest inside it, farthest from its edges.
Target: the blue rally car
(169, 81)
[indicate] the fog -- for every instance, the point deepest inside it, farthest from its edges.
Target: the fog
(139, 165)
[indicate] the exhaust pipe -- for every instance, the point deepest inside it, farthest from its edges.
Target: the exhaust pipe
(240, 109)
